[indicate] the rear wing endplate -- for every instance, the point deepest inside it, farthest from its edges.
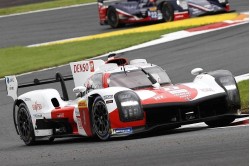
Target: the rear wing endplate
(11, 86)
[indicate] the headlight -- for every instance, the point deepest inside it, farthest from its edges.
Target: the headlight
(222, 1)
(183, 4)
(129, 106)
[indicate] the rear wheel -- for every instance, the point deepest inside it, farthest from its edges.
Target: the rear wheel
(167, 12)
(100, 119)
(113, 19)
(25, 126)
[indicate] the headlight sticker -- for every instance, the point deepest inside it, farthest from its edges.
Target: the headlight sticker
(108, 97)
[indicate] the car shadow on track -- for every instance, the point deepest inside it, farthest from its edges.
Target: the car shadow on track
(90, 140)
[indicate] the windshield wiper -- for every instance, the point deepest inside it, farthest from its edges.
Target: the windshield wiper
(151, 79)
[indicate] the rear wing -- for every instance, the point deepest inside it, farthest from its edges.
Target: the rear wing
(12, 84)
(81, 71)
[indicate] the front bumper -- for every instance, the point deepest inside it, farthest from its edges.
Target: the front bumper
(170, 115)
(145, 129)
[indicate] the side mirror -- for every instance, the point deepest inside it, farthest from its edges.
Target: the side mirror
(197, 71)
(79, 90)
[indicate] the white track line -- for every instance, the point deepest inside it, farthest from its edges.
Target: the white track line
(242, 77)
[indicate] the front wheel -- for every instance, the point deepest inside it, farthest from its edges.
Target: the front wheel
(220, 122)
(100, 119)
(25, 126)
(167, 12)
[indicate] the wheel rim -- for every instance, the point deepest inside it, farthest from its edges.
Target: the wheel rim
(24, 124)
(100, 116)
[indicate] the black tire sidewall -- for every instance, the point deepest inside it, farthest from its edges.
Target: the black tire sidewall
(112, 13)
(220, 122)
(107, 135)
(167, 8)
(31, 139)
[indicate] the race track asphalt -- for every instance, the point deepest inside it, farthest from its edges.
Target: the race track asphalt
(61, 24)
(227, 49)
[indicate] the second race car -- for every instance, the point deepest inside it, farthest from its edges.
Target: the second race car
(135, 11)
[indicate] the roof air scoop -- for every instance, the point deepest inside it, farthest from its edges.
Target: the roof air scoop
(113, 58)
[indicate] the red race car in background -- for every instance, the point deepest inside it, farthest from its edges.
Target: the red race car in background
(136, 11)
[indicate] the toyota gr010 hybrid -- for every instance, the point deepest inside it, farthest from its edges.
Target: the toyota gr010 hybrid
(120, 98)
(136, 11)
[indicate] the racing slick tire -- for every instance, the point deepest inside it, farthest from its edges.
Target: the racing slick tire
(113, 18)
(24, 124)
(167, 12)
(220, 122)
(225, 79)
(100, 119)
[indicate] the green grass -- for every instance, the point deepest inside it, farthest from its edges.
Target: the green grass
(24, 59)
(43, 5)
(244, 95)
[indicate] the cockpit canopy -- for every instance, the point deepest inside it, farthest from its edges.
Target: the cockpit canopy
(137, 78)
(132, 79)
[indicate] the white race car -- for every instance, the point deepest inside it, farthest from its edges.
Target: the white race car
(118, 98)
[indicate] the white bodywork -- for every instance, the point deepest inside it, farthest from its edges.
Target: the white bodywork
(40, 105)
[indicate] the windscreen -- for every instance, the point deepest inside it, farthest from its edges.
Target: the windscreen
(137, 78)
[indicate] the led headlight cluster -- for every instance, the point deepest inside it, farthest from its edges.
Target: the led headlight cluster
(222, 1)
(183, 4)
(129, 106)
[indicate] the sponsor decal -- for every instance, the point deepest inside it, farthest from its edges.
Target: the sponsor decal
(127, 130)
(60, 115)
(37, 106)
(38, 115)
(79, 121)
(153, 9)
(182, 93)
(82, 104)
(11, 88)
(159, 97)
(77, 113)
(9, 80)
(27, 99)
(108, 97)
(84, 118)
(81, 68)
(92, 67)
